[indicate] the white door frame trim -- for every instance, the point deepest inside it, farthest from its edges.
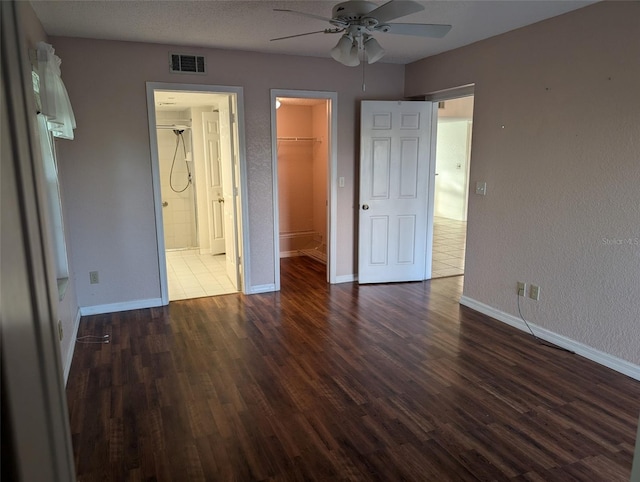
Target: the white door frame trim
(431, 183)
(331, 178)
(243, 215)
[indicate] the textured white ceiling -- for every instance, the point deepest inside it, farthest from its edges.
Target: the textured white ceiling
(249, 25)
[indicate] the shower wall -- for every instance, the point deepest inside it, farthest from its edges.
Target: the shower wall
(179, 211)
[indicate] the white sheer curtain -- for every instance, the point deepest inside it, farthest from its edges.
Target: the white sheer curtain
(54, 221)
(53, 94)
(55, 119)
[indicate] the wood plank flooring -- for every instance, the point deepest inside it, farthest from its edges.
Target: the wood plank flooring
(343, 382)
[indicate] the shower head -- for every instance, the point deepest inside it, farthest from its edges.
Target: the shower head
(178, 131)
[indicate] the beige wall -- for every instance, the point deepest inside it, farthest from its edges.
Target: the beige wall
(557, 139)
(108, 166)
(32, 29)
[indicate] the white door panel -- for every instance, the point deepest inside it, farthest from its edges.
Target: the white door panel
(213, 162)
(394, 171)
(229, 190)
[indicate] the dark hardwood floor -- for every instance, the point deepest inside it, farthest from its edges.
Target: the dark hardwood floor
(343, 382)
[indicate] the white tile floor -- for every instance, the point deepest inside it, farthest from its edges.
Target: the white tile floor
(449, 242)
(193, 275)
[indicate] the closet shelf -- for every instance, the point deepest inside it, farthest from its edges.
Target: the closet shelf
(300, 139)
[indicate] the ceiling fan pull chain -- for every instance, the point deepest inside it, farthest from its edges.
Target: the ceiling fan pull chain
(364, 85)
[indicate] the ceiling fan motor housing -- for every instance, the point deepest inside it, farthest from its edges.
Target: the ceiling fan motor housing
(352, 11)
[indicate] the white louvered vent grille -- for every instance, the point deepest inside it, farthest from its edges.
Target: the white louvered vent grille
(193, 64)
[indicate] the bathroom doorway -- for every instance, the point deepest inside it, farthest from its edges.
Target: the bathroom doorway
(304, 159)
(451, 193)
(196, 149)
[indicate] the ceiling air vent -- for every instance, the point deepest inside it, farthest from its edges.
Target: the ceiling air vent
(191, 64)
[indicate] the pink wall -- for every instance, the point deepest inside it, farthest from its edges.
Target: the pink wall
(109, 163)
(295, 173)
(556, 137)
(302, 175)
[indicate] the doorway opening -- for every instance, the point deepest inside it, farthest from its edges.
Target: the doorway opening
(196, 150)
(451, 193)
(304, 154)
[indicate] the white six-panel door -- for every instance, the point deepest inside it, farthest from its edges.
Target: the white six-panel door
(213, 162)
(395, 153)
(229, 187)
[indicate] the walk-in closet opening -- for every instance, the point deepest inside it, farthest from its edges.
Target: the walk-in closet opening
(197, 153)
(451, 195)
(302, 136)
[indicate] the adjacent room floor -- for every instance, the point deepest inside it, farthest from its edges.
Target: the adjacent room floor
(340, 382)
(449, 242)
(192, 275)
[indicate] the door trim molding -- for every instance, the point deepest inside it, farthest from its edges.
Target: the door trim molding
(243, 215)
(431, 194)
(332, 183)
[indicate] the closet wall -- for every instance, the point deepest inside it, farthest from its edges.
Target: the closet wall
(302, 178)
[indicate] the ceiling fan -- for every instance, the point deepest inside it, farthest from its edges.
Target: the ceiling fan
(358, 20)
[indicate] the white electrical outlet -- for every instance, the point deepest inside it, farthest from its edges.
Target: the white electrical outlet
(534, 292)
(94, 279)
(522, 288)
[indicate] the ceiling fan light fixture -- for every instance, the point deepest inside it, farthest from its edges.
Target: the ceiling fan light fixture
(342, 51)
(359, 19)
(353, 60)
(373, 50)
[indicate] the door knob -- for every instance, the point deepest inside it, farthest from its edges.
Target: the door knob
(165, 204)
(220, 200)
(365, 207)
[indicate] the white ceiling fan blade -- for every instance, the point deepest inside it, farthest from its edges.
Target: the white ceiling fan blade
(394, 9)
(301, 35)
(303, 14)
(417, 29)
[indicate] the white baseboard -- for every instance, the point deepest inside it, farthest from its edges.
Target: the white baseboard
(72, 346)
(346, 278)
(257, 289)
(125, 306)
(610, 361)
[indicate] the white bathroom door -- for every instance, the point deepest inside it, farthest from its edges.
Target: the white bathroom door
(213, 162)
(229, 188)
(395, 151)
